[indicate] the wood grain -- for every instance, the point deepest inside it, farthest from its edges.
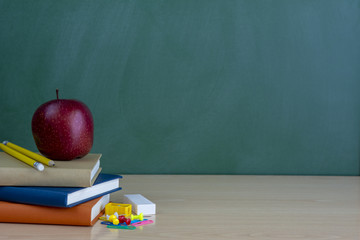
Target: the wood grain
(228, 207)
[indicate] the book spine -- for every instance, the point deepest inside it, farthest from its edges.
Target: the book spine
(33, 196)
(23, 213)
(48, 178)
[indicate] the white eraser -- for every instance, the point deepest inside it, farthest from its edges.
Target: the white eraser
(140, 204)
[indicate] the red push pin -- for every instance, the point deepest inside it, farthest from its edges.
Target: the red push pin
(122, 219)
(125, 220)
(128, 221)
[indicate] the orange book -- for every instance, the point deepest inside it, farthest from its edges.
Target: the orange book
(85, 214)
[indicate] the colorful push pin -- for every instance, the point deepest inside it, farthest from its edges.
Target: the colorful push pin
(123, 219)
(112, 217)
(115, 221)
(137, 217)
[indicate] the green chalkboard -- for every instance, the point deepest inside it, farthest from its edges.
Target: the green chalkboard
(192, 86)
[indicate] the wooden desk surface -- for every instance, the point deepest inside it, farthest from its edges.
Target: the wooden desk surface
(228, 207)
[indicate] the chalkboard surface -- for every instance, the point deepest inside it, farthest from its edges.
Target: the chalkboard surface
(192, 86)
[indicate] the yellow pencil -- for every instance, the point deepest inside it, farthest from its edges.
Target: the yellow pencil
(30, 154)
(22, 157)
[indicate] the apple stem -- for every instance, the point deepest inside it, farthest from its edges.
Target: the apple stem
(57, 94)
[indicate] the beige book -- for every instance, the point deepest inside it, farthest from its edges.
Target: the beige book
(80, 172)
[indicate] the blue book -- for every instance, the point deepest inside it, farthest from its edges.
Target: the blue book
(61, 196)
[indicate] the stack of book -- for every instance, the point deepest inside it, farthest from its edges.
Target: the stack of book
(69, 193)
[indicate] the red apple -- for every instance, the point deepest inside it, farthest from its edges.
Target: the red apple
(63, 129)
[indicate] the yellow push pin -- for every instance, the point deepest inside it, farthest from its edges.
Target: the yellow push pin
(112, 218)
(115, 221)
(137, 217)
